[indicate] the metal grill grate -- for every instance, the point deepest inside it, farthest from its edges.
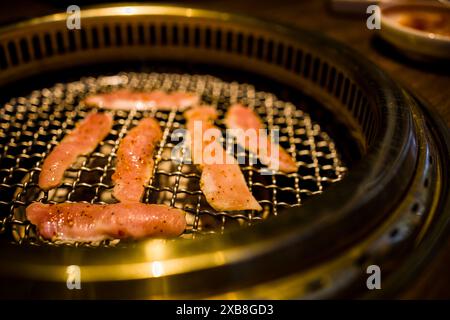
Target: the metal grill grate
(30, 127)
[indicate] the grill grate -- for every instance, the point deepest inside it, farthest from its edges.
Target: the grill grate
(30, 127)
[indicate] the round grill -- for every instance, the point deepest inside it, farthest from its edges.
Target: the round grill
(372, 185)
(32, 126)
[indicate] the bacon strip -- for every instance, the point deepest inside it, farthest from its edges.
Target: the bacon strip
(243, 118)
(135, 160)
(124, 99)
(222, 181)
(82, 140)
(95, 222)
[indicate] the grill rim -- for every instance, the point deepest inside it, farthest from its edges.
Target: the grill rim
(398, 98)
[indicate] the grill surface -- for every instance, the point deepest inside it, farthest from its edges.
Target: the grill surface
(32, 126)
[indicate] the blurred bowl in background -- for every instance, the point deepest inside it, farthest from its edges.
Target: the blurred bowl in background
(420, 29)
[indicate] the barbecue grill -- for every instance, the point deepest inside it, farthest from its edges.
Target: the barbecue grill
(372, 185)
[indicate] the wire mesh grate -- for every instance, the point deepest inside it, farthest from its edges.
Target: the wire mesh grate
(31, 126)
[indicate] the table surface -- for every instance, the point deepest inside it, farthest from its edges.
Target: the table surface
(431, 82)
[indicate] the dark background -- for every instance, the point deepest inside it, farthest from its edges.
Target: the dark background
(430, 81)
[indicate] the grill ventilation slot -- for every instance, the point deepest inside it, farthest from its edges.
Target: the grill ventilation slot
(283, 54)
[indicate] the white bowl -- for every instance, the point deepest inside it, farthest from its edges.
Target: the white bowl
(412, 40)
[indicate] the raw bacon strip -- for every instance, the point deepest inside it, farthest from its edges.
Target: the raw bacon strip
(240, 117)
(82, 140)
(222, 181)
(135, 160)
(95, 222)
(184, 100)
(124, 99)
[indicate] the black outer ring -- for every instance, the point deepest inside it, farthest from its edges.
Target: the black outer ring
(439, 233)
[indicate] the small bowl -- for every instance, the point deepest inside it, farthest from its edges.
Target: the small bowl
(420, 29)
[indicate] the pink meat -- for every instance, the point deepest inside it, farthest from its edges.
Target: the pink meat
(96, 222)
(124, 99)
(82, 140)
(222, 181)
(135, 162)
(240, 117)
